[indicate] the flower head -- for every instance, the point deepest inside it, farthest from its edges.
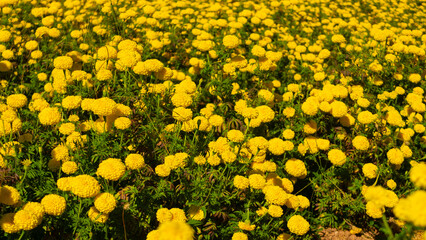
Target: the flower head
(111, 169)
(105, 202)
(84, 186)
(298, 225)
(54, 204)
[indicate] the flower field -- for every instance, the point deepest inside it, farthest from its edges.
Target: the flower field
(181, 120)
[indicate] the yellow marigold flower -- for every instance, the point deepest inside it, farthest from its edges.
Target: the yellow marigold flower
(104, 74)
(258, 51)
(418, 175)
(122, 123)
(84, 186)
(262, 211)
(69, 167)
(374, 209)
(412, 209)
(338, 38)
(266, 114)
(355, 230)
(347, 120)
(394, 118)
(50, 116)
(103, 106)
(296, 168)
(380, 195)
(275, 211)
(111, 169)
(366, 117)
(25, 220)
(71, 102)
(5, 66)
(246, 226)
(9, 195)
(284, 236)
(239, 236)
(275, 195)
(213, 159)
(154, 65)
(5, 36)
(323, 144)
(63, 62)
(200, 160)
(288, 134)
(257, 181)
(105, 202)
(310, 127)
(309, 107)
(54, 204)
(9, 115)
(175, 230)
(36, 209)
(241, 182)
(363, 102)
(338, 109)
(16, 100)
(107, 52)
(361, 143)
(406, 151)
(162, 170)
(164, 215)
(37, 54)
(303, 201)
(182, 114)
(38, 105)
(337, 157)
(65, 183)
(240, 105)
(176, 161)
(153, 235)
(216, 120)
(250, 113)
(60, 153)
(395, 156)
(141, 68)
(419, 128)
(228, 156)
(319, 76)
(235, 135)
(293, 202)
(7, 223)
(391, 184)
(67, 128)
(97, 216)
(414, 78)
(181, 99)
(196, 213)
(298, 225)
(370, 170)
(7, 54)
(289, 112)
(276, 146)
(178, 215)
(231, 41)
(134, 161)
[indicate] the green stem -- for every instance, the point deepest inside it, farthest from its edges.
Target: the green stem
(25, 174)
(22, 234)
(78, 216)
(377, 178)
(388, 229)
